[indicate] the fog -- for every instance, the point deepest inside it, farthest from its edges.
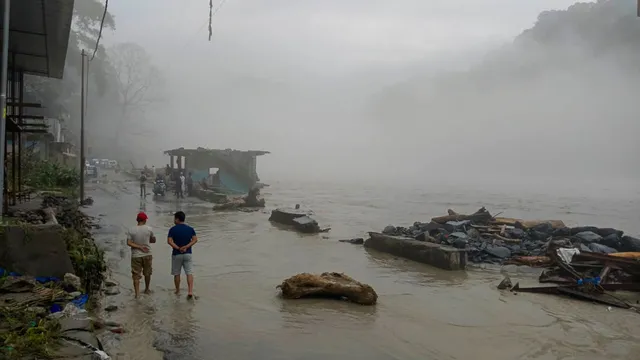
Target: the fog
(399, 92)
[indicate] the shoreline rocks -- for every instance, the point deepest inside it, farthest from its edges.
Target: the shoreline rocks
(494, 240)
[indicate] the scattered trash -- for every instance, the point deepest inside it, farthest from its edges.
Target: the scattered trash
(328, 285)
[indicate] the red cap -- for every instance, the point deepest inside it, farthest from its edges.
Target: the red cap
(142, 216)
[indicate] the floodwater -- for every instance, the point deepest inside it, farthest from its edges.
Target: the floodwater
(423, 313)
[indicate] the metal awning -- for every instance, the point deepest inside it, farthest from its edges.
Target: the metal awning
(39, 35)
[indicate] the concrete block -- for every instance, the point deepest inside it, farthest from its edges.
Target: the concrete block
(36, 250)
(441, 256)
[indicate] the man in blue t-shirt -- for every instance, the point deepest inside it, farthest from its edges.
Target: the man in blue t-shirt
(181, 238)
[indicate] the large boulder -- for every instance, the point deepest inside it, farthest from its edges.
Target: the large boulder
(588, 237)
(630, 244)
(328, 285)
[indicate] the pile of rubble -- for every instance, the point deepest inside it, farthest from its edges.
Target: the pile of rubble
(587, 276)
(498, 240)
(57, 209)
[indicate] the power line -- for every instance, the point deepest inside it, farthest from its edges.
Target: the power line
(104, 15)
(213, 13)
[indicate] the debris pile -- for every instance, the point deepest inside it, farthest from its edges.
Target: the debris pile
(249, 203)
(36, 313)
(328, 285)
(498, 240)
(585, 275)
(298, 219)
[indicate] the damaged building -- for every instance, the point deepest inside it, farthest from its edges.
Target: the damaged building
(227, 171)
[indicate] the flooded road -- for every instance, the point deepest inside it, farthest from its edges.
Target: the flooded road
(423, 313)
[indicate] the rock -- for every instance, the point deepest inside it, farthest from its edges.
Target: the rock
(72, 281)
(545, 228)
(74, 323)
(603, 249)
(458, 235)
(111, 291)
(538, 235)
(505, 283)
(629, 243)
(17, 284)
(579, 229)
(563, 231)
(335, 285)
(110, 283)
(49, 216)
(498, 251)
(604, 232)
(473, 234)
(117, 330)
(583, 248)
(459, 243)
(111, 308)
(515, 233)
(588, 237)
(389, 230)
(356, 241)
(612, 240)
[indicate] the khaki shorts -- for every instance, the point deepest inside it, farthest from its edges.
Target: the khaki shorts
(141, 266)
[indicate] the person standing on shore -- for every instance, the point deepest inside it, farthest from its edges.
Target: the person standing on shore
(139, 239)
(181, 238)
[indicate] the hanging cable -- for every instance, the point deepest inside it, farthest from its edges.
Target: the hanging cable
(104, 15)
(213, 13)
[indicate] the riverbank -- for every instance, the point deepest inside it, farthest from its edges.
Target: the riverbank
(51, 280)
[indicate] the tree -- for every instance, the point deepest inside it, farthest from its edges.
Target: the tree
(62, 97)
(138, 81)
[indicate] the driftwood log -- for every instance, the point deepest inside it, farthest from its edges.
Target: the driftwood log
(480, 216)
(527, 224)
(328, 285)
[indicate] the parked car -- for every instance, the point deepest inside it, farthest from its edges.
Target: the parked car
(91, 171)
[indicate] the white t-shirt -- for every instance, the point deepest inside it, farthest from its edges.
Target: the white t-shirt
(141, 235)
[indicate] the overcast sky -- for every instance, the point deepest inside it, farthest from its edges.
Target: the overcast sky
(299, 78)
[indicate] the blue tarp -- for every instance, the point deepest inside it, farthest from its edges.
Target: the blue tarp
(40, 279)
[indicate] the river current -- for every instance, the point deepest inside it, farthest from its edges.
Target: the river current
(422, 312)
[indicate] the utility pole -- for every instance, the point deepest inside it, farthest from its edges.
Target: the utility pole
(82, 104)
(3, 94)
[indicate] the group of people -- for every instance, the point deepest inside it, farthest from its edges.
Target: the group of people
(184, 185)
(181, 239)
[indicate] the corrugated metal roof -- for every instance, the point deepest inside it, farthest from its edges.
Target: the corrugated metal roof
(39, 35)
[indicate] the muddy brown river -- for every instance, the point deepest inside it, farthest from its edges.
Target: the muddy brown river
(423, 313)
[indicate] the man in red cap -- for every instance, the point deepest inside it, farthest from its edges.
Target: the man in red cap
(139, 239)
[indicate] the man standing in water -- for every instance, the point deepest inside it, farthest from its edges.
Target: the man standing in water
(181, 238)
(139, 239)
(143, 184)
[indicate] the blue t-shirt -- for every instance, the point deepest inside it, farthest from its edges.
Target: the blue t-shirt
(181, 235)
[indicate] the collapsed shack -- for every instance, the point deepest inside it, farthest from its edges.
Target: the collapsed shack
(500, 240)
(328, 285)
(298, 219)
(586, 275)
